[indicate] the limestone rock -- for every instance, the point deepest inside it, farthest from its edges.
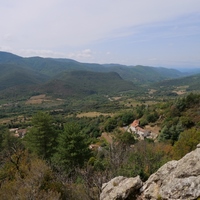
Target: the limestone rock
(120, 188)
(175, 180)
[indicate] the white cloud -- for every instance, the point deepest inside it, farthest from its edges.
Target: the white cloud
(6, 48)
(81, 55)
(42, 53)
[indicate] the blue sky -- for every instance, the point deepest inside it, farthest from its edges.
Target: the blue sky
(132, 32)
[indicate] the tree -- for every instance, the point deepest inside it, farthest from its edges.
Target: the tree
(127, 117)
(165, 134)
(41, 138)
(125, 138)
(146, 157)
(24, 176)
(186, 143)
(152, 117)
(110, 124)
(72, 148)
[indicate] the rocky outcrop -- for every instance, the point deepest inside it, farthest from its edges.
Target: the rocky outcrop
(121, 188)
(174, 180)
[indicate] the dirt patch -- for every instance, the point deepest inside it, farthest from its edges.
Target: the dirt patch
(39, 99)
(4, 121)
(179, 92)
(153, 129)
(93, 114)
(41, 96)
(116, 98)
(151, 91)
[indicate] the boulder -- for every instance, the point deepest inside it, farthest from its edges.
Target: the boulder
(120, 188)
(175, 180)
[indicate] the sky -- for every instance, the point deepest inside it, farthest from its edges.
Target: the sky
(164, 33)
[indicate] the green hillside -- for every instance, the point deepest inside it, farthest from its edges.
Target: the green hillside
(190, 83)
(144, 74)
(51, 67)
(12, 76)
(6, 57)
(81, 83)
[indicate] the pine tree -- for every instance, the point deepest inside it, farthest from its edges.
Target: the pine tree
(41, 137)
(165, 134)
(73, 148)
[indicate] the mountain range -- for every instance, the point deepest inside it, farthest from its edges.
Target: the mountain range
(70, 77)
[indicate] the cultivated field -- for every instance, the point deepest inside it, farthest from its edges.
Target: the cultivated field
(93, 114)
(36, 99)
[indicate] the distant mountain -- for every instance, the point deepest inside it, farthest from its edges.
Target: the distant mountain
(6, 57)
(143, 74)
(64, 77)
(190, 82)
(51, 67)
(189, 71)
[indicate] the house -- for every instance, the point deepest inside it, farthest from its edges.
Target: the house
(135, 128)
(134, 125)
(20, 133)
(142, 132)
(13, 129)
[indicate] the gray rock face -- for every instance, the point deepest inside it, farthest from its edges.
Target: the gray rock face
(120, 188)
(175, 180)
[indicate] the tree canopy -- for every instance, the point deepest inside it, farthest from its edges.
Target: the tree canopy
(73, 147)
(41, 137)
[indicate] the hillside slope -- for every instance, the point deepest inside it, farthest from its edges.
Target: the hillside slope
(12, 76)
(190, 83)
(144, 74)
(81, 83)
(51, 67)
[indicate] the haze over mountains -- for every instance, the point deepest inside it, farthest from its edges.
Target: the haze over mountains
(69, 77)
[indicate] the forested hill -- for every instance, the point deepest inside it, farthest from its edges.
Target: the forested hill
(81, 83)
(190, 83)
(51, 67)
(144, 74)
(12, 76)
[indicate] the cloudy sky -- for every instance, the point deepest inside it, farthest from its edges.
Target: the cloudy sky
(147, 32)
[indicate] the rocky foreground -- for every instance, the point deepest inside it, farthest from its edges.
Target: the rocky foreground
(173, 181)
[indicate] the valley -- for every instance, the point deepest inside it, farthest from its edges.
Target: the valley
(81, 124)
